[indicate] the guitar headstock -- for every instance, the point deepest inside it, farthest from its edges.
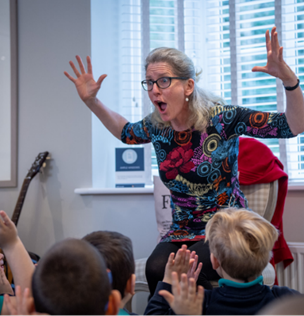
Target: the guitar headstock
(37, 164)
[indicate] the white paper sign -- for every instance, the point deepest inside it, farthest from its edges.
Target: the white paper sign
(162, 207)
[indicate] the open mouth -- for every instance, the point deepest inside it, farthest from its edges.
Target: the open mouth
(162, 106)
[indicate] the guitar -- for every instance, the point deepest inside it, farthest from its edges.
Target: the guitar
(35, 168)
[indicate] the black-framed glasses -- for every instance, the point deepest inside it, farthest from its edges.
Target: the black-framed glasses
(162, 83)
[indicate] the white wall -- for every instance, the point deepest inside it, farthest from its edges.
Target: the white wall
(52, 118)
(293, 217)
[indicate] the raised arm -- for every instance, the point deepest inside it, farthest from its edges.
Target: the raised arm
(87, 89)
(277, 67)
(16, 255)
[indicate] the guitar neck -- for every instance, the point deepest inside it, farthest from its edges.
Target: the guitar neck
(20, 200)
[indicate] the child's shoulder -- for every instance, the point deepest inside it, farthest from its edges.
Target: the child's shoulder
(276, 290)
(282, 290)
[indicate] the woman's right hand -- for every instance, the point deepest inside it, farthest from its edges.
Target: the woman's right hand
(85, 84)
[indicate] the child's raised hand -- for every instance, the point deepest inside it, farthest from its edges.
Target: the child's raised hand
(23, 304)
(178, 263)
(16, 255)
(184, 300)
(5, 286)
(194, 268)
(8, 231)
(169, 268)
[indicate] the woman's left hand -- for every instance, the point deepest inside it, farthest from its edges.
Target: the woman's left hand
(276, 65)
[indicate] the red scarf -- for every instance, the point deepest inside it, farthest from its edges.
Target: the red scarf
(257, 164)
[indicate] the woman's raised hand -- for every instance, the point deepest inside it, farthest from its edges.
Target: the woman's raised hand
(276, 65)
(85, 84)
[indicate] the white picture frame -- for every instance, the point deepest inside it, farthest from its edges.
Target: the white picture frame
(8, 93)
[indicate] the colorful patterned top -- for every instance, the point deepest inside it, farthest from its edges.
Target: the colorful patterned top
(200, 169)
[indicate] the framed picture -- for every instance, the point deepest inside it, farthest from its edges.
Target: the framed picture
(8, 93)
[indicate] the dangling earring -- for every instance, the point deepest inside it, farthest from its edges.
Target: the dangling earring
(187, 99)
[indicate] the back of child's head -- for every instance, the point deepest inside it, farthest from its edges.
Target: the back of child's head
(242, 241)
(71, 278)
(117, 252)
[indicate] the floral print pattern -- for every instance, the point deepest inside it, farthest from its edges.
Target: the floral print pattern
(178, 160)
(200, 169)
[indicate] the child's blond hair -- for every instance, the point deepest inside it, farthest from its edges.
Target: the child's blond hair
(242, 241)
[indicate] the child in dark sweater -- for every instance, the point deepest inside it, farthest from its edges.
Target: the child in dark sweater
(240, 244)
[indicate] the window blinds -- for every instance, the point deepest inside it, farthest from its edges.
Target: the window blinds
(130, 60)
(293, 42)
(236, 43)
(226, 39)
(163, 31)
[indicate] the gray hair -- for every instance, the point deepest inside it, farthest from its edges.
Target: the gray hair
(201, 101)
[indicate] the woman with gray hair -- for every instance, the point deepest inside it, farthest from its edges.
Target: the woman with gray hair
(195, 137)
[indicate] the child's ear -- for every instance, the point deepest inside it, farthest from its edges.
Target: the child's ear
(114, 302)
(131, 284)
(214, 261)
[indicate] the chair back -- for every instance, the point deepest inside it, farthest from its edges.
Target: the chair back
(262, 198)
